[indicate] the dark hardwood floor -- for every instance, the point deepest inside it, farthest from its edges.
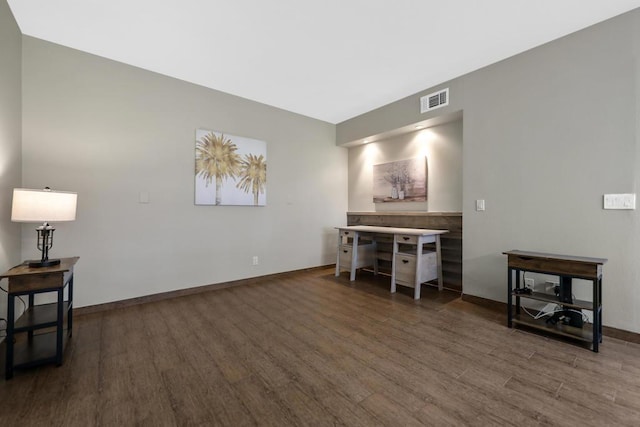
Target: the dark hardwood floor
(311, 349)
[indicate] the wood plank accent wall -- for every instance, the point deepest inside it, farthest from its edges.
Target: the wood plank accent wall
(451, 242)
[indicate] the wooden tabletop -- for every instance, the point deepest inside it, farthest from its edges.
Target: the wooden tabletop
(23, 269)
(543, 255)
(392, 230)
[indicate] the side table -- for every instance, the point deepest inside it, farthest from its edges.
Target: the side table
(45, 347)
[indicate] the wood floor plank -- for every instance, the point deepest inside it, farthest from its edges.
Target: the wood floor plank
(249, 351)
(433, 415)
(380, 384)
(211, 334)
(265, 407)
(628, 399)
(82, 382)
(187, 396)
(348, 413)
(115, 391)
(307, 410)
(501, 402)
(389, 412)
(589, 401)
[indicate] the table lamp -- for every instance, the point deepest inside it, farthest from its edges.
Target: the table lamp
(43, 206)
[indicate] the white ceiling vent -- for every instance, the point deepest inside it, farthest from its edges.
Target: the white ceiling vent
(434, 100)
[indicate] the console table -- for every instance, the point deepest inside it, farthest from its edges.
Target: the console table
(411, 265)
(46, 347)
(566, 267)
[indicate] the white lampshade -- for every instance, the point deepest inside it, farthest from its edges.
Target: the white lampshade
(43, 205)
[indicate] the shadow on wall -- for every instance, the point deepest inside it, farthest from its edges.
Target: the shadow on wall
(329, 245)
(493, 267)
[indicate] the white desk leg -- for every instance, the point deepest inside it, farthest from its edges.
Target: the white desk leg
(354, 256)
(439, 260)
(338, 253)
(375, 255)
(393, 264)
(416, 290)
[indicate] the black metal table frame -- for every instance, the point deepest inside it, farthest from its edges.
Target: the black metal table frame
(597, 298)
(59, 324)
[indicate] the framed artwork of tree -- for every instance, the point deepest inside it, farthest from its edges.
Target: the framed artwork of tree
(401, 181)
(230, 170)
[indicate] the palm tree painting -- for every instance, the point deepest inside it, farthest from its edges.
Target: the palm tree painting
(237, 165)
(253, 175)
(216, 158)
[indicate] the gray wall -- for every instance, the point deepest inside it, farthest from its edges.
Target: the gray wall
(110, 131)
(10, 138)
(442, 146)
(546, 134)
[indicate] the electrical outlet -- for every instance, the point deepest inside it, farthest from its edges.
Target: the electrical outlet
(529, 283)
(255, 260)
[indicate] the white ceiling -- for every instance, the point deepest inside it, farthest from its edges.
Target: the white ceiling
(327, 59)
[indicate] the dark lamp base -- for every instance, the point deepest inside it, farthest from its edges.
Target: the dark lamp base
(46, 263)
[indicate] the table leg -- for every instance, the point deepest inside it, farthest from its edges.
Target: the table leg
(439, 260)
(338, 253)
(600, 305)
(8, 367)
(518, 273)
(509, 297)
(596, 316)
(30, 303)
(394, 251)
(70, 312)
(375, 255)
(354, 256)
(59, 327)
(417, 283)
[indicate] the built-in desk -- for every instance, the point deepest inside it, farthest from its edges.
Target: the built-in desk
(411, 265)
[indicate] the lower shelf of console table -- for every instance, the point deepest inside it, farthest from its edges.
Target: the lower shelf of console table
(584, 334)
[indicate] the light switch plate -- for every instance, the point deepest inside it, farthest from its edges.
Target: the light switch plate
(620, 201)
(479, 205)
